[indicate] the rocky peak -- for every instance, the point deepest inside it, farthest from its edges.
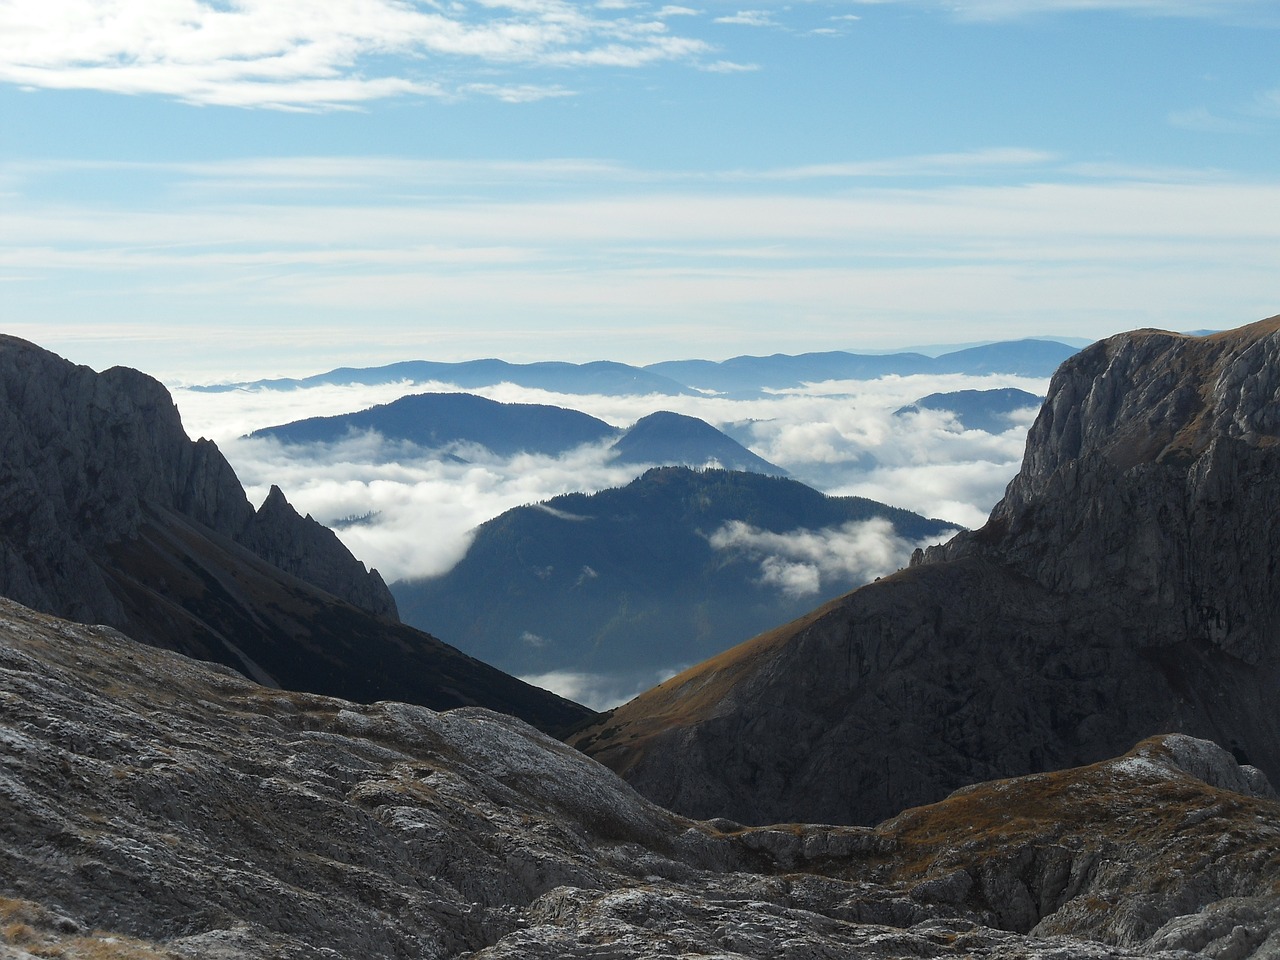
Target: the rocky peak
(1141, 485)
(312, 552)
(90, 458)
(1125, 586)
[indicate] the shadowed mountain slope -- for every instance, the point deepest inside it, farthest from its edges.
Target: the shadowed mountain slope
(155, 808)
(110, 514)
(1126, 585)
(631, 582)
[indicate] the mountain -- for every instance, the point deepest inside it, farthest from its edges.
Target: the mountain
(110, 514)
(739, 375)
(156, 808)
(747, 376)
(1126, 585)
(674, 567)
(986, 410)
(436, 421)
(674, 439)
(444, 422)
(599, 377)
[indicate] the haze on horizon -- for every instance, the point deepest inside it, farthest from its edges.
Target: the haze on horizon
(219, 191)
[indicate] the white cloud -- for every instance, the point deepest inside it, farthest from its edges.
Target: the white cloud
(800, 562)
(291, 54)
(599, 691)
(750, 18)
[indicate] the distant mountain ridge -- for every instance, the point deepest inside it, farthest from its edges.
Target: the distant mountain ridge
(744, 375)
(604, 377)
(110, 514)
(747, 375)
(630, 581)
(437, 420)
(448, 422)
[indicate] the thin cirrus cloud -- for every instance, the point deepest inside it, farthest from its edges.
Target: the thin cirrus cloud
(289, 54)
(1235, 10)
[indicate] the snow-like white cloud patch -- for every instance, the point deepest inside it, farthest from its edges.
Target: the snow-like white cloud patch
(418, 510)
(799, 562)
(599, 691)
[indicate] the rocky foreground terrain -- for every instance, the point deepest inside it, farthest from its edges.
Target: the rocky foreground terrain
(156, 807)
(1127, 585)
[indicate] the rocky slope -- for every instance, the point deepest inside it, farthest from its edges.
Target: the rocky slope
(110, 514)
(1125, 586)
(155, 807)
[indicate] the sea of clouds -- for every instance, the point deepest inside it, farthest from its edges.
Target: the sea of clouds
(410, 512)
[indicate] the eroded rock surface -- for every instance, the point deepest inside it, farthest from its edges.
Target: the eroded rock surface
(152, 806)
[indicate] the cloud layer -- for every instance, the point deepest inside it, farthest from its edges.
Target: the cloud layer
(842, 438)
(291, 54)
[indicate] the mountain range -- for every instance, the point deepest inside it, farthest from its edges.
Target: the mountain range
(748, 376)
(740, 376)
(110, 514)
(1126, 585)
(449, 423)
(664, 572)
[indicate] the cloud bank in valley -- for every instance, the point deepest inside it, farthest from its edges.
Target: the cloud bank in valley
(799, 562)
(416, 510)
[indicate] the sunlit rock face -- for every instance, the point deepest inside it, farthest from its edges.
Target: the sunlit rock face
(156, 807)
(110, 514)
(1126, 586)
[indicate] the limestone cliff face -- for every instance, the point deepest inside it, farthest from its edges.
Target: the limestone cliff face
(89, 458)
(1126, 585)
(312, 552)
(110, 514)
(1148, 485)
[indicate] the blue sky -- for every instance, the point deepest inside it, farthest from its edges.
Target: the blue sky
(216, 190)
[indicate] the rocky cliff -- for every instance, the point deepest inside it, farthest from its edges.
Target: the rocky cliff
(154, 807)
(1125, 586)
(110, 514)
(90, 458)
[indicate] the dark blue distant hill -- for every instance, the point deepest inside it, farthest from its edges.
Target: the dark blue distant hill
(986, 410)
(436, 420)
(600, 377)
(674, 439)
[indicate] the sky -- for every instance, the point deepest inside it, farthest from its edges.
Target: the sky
(214, 190)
